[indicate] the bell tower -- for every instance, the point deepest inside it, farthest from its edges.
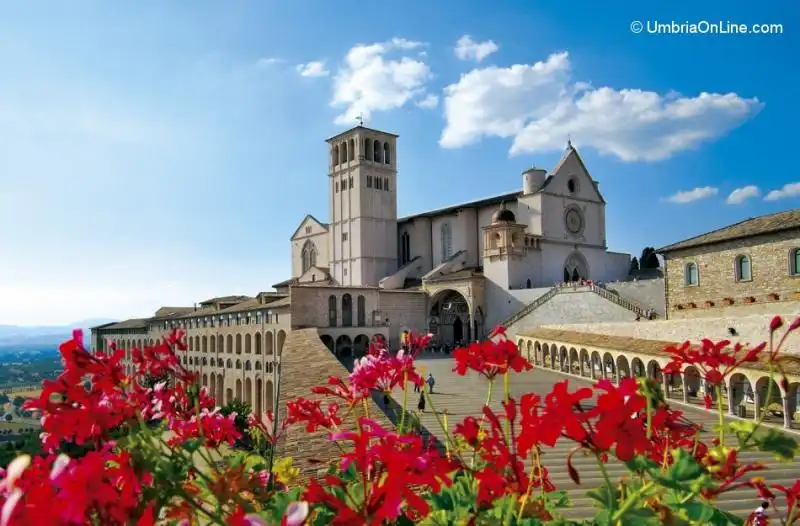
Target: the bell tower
(362, 182)
(505, 249)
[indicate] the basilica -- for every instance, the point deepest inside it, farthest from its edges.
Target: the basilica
(474, 261)
(455, 272)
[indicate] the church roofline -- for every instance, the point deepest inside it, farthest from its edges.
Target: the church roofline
(320, 223)
(338, 135)
(479, 203)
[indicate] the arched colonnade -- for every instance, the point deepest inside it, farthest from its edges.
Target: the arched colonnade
(744, 394)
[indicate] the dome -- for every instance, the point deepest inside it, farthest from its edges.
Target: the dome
(504, 215)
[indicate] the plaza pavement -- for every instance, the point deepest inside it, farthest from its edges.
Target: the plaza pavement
(463, 396)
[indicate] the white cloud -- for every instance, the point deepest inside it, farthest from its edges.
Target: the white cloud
(540, 105)
(788, 190)
(429, 102)
(695, 194)
(468, 49)
(740, 195)
(269, 61)
(313, 69)
(368, 81)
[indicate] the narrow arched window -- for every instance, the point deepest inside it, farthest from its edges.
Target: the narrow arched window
(347, 310)
(309, 255)
(332, 311)
(743, 269)
(378, 150)
(362, 311)
(386, 155)
(691, 275)
(405, 253)
(344, 152)
(352, 149)
(447, 241)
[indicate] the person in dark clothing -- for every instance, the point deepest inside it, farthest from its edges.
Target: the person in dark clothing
(421, 403)
(416, 387)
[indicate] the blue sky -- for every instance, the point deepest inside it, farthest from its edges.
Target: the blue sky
(160, 153)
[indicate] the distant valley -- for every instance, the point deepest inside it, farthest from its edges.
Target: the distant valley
(37, 339)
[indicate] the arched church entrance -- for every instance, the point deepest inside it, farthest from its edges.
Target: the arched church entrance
(575, 267)
(449, 319)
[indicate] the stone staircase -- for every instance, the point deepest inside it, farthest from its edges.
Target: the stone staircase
(603, 292)
(465, 396)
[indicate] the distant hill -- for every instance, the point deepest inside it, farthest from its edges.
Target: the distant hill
(21, 336)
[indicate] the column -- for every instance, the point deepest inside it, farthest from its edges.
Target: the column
(683, 389)
(787, 412)
(731, 398)
(757, 400)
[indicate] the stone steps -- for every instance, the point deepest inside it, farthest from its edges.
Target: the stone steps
(465, 396)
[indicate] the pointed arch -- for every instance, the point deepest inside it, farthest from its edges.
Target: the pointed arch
(309, 255)
(386, 154)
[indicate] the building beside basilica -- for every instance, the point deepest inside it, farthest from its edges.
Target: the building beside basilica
(455, 272)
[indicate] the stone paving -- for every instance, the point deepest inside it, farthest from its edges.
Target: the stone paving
(465, 396)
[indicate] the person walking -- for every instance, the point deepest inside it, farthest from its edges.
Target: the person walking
(759, 517)
(416, 387)
(421, 403)
(430, 382)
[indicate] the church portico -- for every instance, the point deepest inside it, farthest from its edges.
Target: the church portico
(455, 307)
(576, 267)
(354, 341)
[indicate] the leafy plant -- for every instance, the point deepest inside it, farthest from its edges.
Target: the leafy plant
(125, 450)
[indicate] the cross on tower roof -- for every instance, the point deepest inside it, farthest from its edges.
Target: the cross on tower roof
(360, 119)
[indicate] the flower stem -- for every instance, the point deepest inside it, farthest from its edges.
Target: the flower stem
(631, 501)
(506, 394)
(442, 425)
(405, 402)
(603, 472)
(718, 391)
(483, 417)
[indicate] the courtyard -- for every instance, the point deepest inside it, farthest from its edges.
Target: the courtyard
(464, 396)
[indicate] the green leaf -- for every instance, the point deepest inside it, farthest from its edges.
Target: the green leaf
(699, 512)
(637, 516)
(773, 441)
(192, 445)
(604, 497)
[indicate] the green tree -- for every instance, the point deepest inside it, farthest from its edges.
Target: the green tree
(4, 399)
(18, 401)
(634, 265)
(9, 417)
(649, 259)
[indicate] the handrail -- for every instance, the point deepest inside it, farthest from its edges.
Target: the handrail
(530, 307)
(612, 296)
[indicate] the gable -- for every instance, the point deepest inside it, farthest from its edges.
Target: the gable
(571, 167)
(315, 275)
(312, 223)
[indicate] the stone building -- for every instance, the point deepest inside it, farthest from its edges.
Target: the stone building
(453, 271)
(742, 269)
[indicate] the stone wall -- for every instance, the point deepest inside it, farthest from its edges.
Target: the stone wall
(717, 283)
(647, 293)
(581, 306)
(406, 310)
(307, 363)
(750, 329)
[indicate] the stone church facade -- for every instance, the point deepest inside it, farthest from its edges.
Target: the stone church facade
(368, 272)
